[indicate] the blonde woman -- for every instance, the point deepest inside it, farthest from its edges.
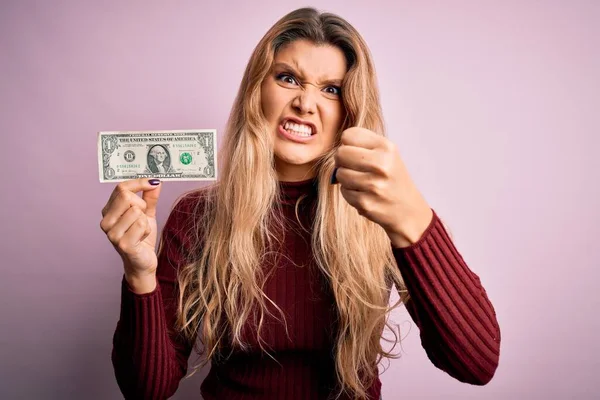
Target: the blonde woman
(283, 268)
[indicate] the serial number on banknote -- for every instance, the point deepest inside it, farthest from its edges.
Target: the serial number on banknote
(176, 155)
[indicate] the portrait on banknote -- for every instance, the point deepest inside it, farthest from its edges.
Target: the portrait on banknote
(159, 160)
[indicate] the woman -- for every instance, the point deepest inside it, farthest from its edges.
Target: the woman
(284, 275)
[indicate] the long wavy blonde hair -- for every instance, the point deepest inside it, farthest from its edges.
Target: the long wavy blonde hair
(221, 286)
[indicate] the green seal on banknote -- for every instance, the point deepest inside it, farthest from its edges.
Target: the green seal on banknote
(185, 158)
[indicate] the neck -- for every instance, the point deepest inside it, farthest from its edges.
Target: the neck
(295, 173)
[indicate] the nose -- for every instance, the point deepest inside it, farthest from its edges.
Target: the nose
(305, 102)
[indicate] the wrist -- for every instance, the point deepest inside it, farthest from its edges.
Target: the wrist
(412, 229)
(141, 284)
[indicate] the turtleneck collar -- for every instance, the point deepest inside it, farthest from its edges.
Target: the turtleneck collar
(292, 191)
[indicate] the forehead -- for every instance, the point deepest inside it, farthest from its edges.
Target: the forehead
(313, 61)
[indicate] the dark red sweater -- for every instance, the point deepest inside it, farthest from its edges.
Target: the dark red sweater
(457, 322)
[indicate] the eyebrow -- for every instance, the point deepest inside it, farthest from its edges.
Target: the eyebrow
(300, 74)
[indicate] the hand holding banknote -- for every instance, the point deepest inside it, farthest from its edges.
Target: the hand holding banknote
(129, 222)
(137, 159)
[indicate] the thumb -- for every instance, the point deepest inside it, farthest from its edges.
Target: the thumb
(151, 196)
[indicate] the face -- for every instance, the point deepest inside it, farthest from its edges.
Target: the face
(301, 99)
(159, 154)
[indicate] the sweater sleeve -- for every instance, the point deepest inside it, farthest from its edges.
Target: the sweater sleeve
(149, 358)
(457, 322)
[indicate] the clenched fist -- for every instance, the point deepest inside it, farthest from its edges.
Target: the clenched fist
(375, 181)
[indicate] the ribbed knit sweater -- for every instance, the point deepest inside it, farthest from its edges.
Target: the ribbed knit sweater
(456, 321)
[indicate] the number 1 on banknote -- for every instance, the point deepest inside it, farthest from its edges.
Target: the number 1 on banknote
(180, 155)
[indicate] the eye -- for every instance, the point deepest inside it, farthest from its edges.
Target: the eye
(335, 90)
(287, 78)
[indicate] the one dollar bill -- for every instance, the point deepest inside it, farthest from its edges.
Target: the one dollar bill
(180, 155)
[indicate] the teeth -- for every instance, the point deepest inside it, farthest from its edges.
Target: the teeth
(298, 129)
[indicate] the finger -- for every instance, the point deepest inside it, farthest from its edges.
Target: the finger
(352, 197)
(361, 137)
(354, 180)
(116, 232)
(119, 206)
(133, 237)
(133, 186)
(150, 197)
(356, 158)
(138, 185)
(147, 232)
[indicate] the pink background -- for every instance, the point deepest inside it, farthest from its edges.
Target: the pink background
(494, 106)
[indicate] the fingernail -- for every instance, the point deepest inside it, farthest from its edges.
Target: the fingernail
(333, 176)
(154, 182)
